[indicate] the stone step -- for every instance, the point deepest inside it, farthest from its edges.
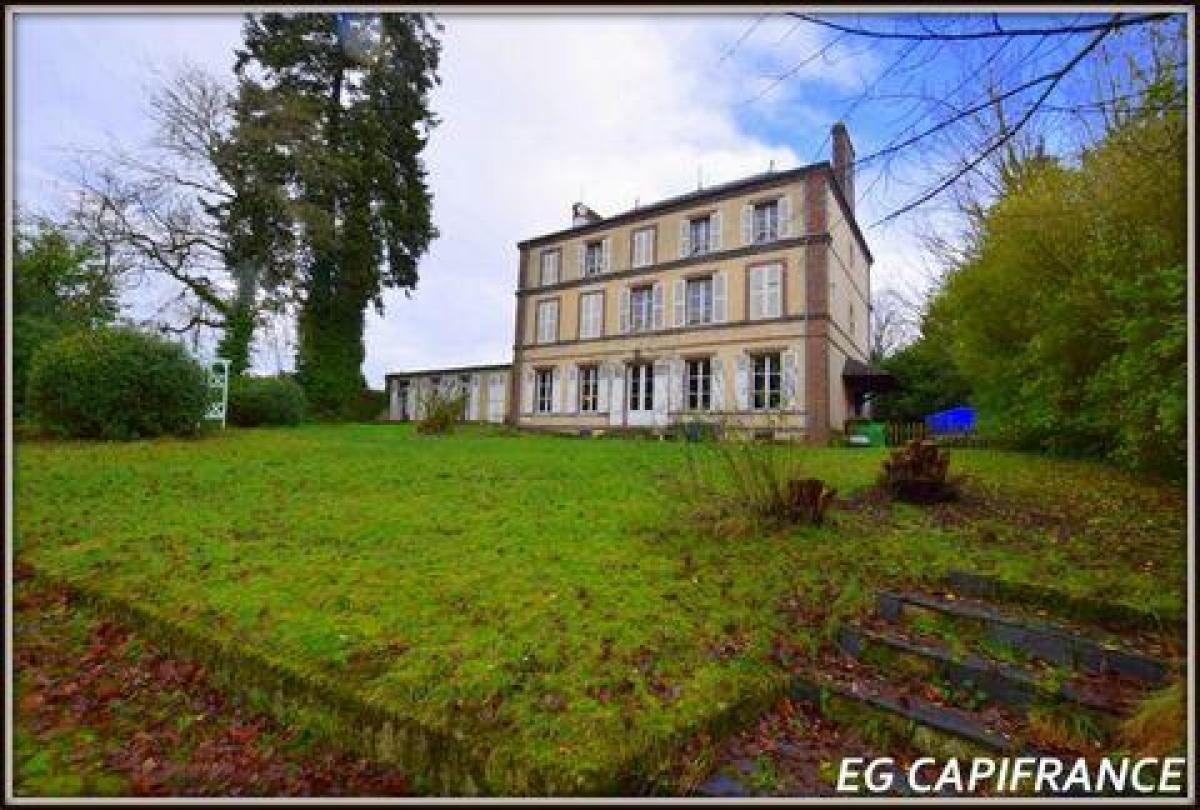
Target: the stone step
(1115, 616)
(1007, 684)
(956, 722)
(1057, 645)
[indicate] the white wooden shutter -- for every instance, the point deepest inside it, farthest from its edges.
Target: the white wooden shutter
(757, 282)
(785, 217)
(616, 394)
(680, 295)
(676, 402)
(788, 380)
(685, 238)
(606, 254)
(741, 383)
(473, 403)
(747, 224)
(602, 383)
(623, 306)
(662, 376)
(714, 231)
(527, 391)
(581, 258)
(773, 292)
(555, 390)
(720, 297)
(718, 384)
(658, 304)
(572, 403)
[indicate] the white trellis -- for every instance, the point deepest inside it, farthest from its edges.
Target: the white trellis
(218, 385)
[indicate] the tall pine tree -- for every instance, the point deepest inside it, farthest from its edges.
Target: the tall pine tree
(332, 116)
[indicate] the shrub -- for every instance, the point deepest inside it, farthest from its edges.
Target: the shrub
(440, 411)
(255, 401)
(740, 486)
(116, 383)
(917, 473)
(369, 406)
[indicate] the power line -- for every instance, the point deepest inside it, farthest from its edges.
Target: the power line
(730, 51)
(972, 35)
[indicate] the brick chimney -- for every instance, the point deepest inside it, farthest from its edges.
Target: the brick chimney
(843, 162)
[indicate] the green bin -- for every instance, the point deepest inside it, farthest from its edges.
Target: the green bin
(873, 431)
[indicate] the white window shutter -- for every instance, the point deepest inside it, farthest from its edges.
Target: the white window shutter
(555, 390)
(616, 394)
(714, 231)
(623, 306)
(581, 258)
(741, 383)
(658, 304)
(756, 293)
(685, 238)
(718, 384)
(602, 383)
(680, 296)
(676, 402)
(720, 297)
(606, 254)
(527, 391)
(773, 304)
(572, 402)
(557, 262)
(747, 224)
(473, 402)
(785, 216)
(788, 380)
(662, 374)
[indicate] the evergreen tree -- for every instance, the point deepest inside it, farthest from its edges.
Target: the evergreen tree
(332, 116)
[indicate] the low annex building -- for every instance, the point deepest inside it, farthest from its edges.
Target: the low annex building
(746, 303)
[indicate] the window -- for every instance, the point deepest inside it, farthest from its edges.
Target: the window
(593, 258)
(589, 389)
(641, 387)
(766, 291)
(545, 390)
(699, 233)
(766, 383)
(697, 382)
(641, 308)
(547, 321)
(591, 315)
(643, 247)
(699, 300)
(550, 261)
(766, 221)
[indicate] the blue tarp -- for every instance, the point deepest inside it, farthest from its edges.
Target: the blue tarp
(951, 421)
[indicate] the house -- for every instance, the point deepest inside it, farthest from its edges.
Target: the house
(485, 389)
(745, 303)
(742, 302)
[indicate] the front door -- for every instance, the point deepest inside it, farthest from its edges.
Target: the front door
(640, 394)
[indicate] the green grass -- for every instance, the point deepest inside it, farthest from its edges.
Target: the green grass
(537, 598)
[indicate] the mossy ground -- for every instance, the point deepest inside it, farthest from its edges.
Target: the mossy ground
(537, 597)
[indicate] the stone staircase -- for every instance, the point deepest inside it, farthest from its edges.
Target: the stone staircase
(948, 674)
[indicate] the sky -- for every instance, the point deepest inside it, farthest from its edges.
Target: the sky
(537, 112)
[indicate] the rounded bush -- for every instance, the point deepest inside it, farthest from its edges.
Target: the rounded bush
(255, 401)
(116, 383)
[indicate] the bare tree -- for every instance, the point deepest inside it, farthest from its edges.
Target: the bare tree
(169, 210)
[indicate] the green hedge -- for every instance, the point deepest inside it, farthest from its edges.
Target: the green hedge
(256, 401)
(116, 383)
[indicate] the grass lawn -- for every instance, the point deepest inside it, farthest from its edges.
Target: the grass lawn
(538, 598)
